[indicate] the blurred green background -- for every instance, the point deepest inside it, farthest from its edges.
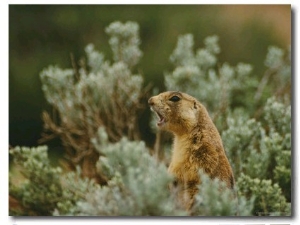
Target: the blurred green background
(40, 35)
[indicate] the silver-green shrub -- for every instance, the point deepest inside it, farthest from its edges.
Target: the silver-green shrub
(214, 199)
(40, 189)
(261, 157)
(44, 189)
(138, 185)
(269, 199)
(198, 74)
(101, 93)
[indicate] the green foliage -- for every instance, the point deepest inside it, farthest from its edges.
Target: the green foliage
(41, 190)
(124, 42)
(221, 201)
(75, 186)
(269, 199)
(45, 189)
(198, 75)
(98, 106)
(104, 92)
(101, 93)
(262, 151)
(138, 184)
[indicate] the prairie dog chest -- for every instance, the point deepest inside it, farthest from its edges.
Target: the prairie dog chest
(179, 155)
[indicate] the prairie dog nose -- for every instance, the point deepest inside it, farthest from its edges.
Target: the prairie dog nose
(151, 101)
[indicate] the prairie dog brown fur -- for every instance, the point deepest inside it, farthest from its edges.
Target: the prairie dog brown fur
(197, 142)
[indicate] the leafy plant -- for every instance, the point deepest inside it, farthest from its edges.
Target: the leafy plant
(105, 94)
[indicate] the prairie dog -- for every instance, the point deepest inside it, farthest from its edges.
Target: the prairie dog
(197, 143)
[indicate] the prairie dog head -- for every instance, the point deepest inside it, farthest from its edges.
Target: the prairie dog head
(176, 111)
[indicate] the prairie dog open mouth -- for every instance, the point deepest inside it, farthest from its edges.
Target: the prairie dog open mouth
(161, 119)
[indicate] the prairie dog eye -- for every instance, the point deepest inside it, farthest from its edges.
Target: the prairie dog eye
(174, 99)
